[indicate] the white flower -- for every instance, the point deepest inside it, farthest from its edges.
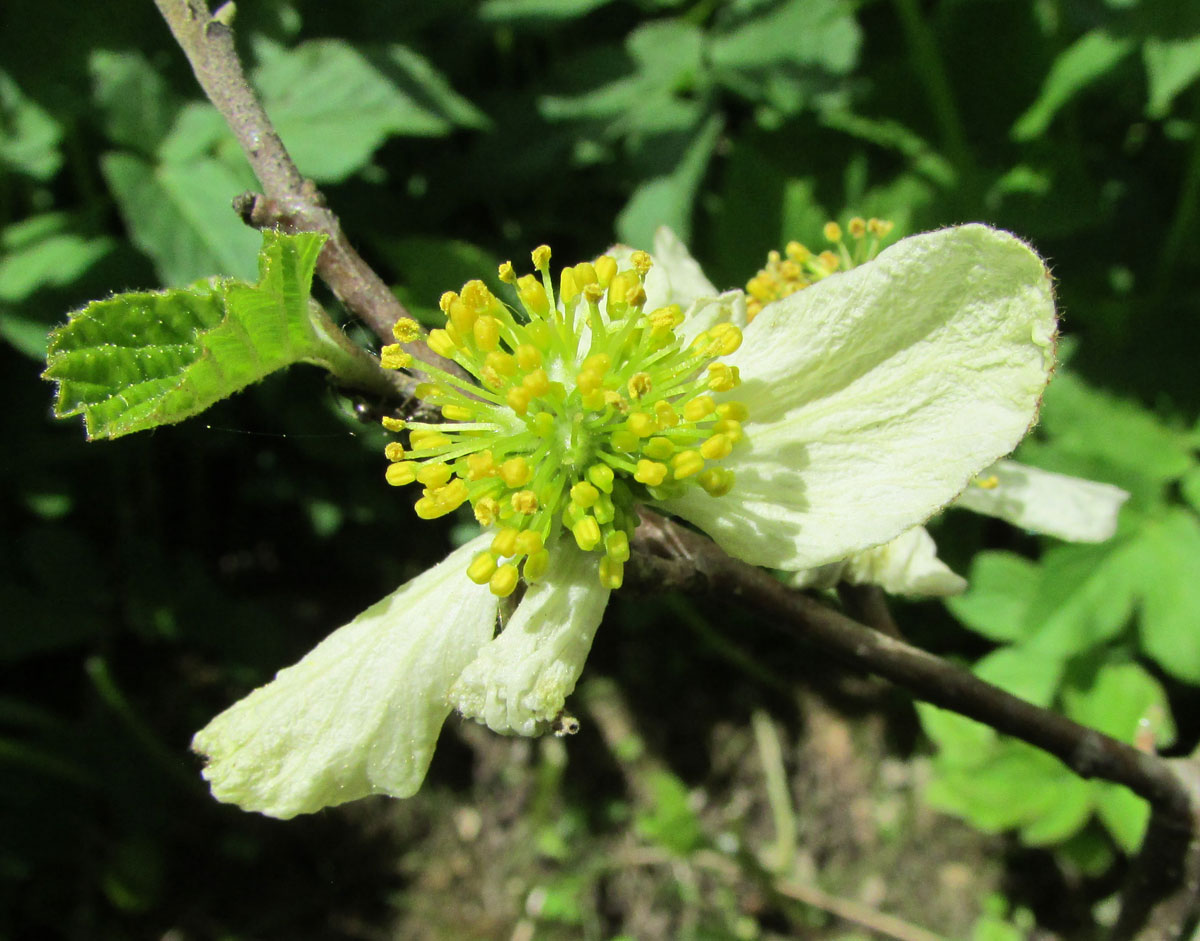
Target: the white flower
(848, 413)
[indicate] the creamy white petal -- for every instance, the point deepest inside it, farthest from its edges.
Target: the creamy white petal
(706, 312)
(360, 714)
(908, 565)
(521, 679)
(1054, 504)
(875, 396)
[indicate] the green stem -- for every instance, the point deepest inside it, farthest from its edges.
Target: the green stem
(1184, 219)
(350, 363)
(932, 73)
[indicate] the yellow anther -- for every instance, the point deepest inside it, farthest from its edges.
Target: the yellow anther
(518, 399)
(487, 509)
(481, 464)
(717, 481)
(406, 330)
(445, 302)
(686, 463)
(618, 289)
(662, 321)
(504, 581)
(797, 252)
(716, 447)
(543, 424)
(439, 341)
(457, 413)
(606, 270)
(398, 475)
(589, 381)
(537, 383)
(461, 319)
(525, 501)
(393, 356)
(504, 543)
(832, 232)
(487, 333)
(528, 542)
(601, 476)
(650, 473)
(635, 296)
(612, 574)
(727, 337)
(392, 424)
(641, 262)
(435, 475)
(528, 356)
(532, 295)
(828, 262)
(585, 274)
(426, 390)
(616, 546)
(587, 533)
(568, 289)
(880, 228)
(584, 494)
(504, 363)
(604, 510)
(515, 472)
(641, 424)
(600, 362)
(482, 568)
(623, 440)
(639, 384)
(735, 411)
(990, 482)
(730, 428)
(699, 408)
(541, 257)
(455, 335)
(536, 565)
(722, 378)
(857, 227)
(478, 297)
(492, 379)
(658, 449)
(424, 439)
(394, 452)
(614, 399)
(666, 415)
(506, 273)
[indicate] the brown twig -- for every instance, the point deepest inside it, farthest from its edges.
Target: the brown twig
(1161, 896)
(292, 202)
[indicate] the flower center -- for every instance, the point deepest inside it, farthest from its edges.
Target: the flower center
(585, 405)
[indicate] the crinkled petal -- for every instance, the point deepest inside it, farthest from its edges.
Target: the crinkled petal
(360, 714)
(521, 680)
(877, 394)
(1054, 504)
(908, 565)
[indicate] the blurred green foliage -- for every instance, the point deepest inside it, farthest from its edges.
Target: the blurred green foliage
(148, 583)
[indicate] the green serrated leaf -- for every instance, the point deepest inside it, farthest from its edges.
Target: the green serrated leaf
(1171, 595)
(499, 11)
(1120, 701)
(43, 252)
(798, 32)
(29, 136)
(1000, 589)
(137, 105)
(962, 742)
(1122, 812)
(179, 214)
(333, 107)
(1085, 596)
(139, 360)
(668, 200)
(1171, 66)
(1089, 58)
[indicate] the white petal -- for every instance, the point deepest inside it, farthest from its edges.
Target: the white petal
(1054, 504)
(706, 312)
(877, 394)
(908, 565)
(360, 714)
(521, 679)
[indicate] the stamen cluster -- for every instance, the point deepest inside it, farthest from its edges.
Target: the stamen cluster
(584, 404)
(798, 267)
